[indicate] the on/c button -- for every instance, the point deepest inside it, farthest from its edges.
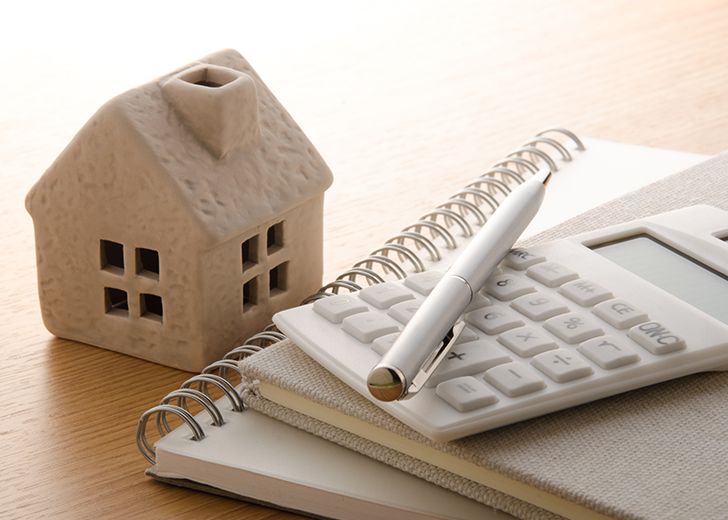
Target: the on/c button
(656, 338)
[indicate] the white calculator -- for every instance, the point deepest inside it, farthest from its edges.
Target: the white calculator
(555, 326)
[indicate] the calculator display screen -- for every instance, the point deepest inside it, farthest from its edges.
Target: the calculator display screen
(673, 271)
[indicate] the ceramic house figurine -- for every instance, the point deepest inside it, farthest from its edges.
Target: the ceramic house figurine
(180, 218)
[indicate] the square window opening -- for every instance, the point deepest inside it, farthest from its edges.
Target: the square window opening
(150, 306)
(250, 294)
(275, 237)
(249, 252)
(116, 301)
(112, 256)
(147, 262)
(278, 278)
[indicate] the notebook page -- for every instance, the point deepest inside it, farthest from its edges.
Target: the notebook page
(604, 171)
(251, 451)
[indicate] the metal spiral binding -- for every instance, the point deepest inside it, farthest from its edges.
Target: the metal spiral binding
(201, 396)
(342, 284)
(332, 288)
(532, 151)
(181, 395)
(480, 197)
(241, 352)
(449, 216)
(224, 366)
(315, 296)
(420, 240)
(267, 337)
(143, 444)
(271, 327)
(507, 175)
(203, 380)
(492, 185)
(463, 209)
(436, 230)
(403, 252)
(371, 276)
(563, 151)
(520, 163)
(387, 264)
(568, 133)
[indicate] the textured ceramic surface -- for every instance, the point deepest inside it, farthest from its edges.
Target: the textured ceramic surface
(189, 166)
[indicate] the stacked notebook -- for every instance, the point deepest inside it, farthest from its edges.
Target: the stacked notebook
(651, 453)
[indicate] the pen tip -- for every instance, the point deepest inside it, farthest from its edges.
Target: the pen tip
(386, 384)
(543, 175)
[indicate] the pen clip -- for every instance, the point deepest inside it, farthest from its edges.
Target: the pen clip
(434, 360)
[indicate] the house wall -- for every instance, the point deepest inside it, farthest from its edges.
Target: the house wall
(226, 324)
(104, 187)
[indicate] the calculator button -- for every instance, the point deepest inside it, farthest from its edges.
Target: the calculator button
(384, 295)
(551, 274)
(573, 327)
(521, 259)
(478, 301)
(585, 293)
(423, 283)
(336, 308)
(466, 393)
(620, 314)
(507, 286)
(383, 343)
(656, 338)
(562, 365)
(403, 311)
(493, 320)
(539, 306)
(466, 359)
(514, 379)
(466, 335)
(527, 341)
(368, 326)
(609, 352)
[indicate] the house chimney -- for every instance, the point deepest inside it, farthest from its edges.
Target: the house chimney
(218, 104)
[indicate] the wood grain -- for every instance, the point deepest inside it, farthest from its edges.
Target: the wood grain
(406, 101)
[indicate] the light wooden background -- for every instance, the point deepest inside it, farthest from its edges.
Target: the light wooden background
(406, 101)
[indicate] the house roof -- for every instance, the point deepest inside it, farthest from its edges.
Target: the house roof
(233, 190)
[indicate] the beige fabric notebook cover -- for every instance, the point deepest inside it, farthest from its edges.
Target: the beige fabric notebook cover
(656, 453)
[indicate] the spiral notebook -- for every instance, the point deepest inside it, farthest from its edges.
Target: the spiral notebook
(231, 450)
(650, 454)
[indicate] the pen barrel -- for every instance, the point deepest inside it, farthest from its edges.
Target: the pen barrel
(499, 234)
(428, 327)
(391, 378)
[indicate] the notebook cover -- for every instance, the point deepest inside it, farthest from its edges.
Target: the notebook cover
(655, 453)
(191, 484)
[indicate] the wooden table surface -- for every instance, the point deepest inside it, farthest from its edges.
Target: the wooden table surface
(406, 102)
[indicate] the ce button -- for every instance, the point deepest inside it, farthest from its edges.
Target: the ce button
(620, 314)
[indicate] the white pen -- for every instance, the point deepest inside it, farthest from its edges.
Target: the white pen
(429, 335)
